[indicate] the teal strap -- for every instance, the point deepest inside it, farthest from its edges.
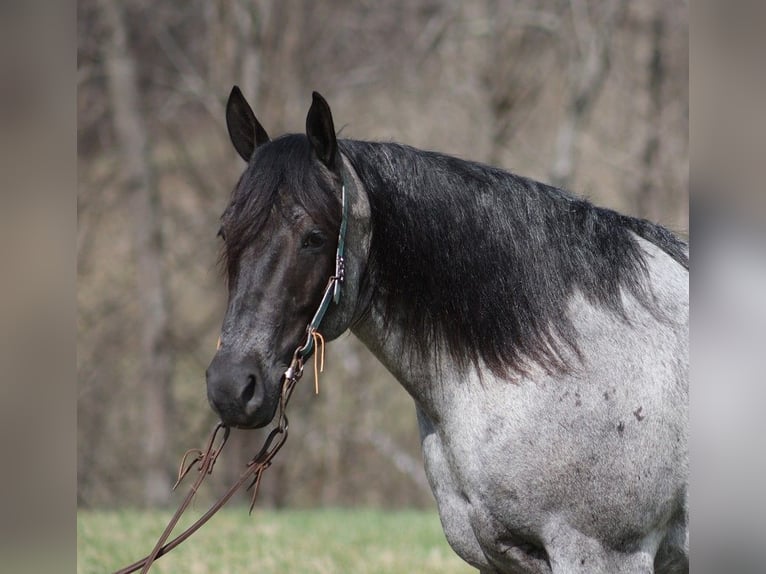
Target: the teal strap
(340, 262)
(332, 291)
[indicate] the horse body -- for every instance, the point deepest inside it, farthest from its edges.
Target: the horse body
(576, 473)
(567, 456)
(583, 472)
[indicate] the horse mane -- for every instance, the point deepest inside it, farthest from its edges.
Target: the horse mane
(482, 263)
(465, 257)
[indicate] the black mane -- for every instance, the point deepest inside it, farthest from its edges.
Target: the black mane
(470, 257)
(484, 261)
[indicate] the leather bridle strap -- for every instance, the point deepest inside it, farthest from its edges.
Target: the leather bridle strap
(252, 474)
(332, 291)
(276, 438)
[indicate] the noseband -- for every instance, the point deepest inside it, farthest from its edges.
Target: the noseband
(331, 293)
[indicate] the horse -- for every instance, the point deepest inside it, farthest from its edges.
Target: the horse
(543, 339)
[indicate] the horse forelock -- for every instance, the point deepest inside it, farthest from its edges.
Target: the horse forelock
(483, 263)
(281, 175)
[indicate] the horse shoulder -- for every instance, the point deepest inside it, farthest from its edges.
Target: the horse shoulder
(604, 446)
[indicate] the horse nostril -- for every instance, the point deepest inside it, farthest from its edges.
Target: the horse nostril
(249, 390)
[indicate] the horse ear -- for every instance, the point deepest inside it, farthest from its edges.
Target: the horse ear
(320, 130)
(245, 131)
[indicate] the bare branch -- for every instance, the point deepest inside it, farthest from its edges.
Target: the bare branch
(588, 74)
(156, 358)
(189, 75)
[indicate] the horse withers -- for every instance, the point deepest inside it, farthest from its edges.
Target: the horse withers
(544, 340)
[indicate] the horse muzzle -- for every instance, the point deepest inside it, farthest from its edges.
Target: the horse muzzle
(236, 390)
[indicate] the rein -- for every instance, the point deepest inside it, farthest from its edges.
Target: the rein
(205, 460)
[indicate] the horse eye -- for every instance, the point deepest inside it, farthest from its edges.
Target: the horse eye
(313, 240)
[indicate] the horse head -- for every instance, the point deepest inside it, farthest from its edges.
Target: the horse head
(280, 234)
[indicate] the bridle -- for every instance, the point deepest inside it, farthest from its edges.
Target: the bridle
(206, 459)
(332, 290)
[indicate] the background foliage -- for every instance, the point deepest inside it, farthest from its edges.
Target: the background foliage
(592, 95)
(362, 541)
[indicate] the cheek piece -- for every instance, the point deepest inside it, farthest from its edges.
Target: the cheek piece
(332, 293)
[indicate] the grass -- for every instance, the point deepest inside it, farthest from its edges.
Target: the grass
(303, 541)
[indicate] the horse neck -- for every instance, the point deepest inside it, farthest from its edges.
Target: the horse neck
(362, 314)
(355, 310)
(416, 373)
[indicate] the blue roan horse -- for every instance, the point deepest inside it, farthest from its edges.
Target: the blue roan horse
(544, 340)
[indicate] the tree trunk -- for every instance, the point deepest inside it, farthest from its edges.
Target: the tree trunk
(517, 45)
(588, 73)
(248, 23)
(651, 195)
(334, 423)
(156, 354)
(281, 34)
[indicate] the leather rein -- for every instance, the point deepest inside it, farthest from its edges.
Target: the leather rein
(205, 459)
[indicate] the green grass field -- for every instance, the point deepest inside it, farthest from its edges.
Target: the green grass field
(302, 541)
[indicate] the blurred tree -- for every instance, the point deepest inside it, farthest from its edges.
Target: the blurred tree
(593, 25)
(526, 31)
(140, 183)
(499, 81)
(652, 29)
